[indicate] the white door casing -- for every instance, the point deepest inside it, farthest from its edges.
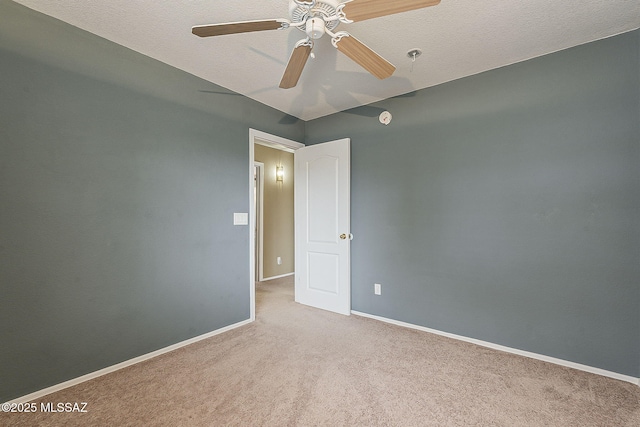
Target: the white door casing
(258, 220)
(322, 217)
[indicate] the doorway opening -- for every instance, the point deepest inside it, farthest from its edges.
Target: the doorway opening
(277, 177)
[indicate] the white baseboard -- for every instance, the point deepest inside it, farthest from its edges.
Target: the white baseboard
(499, 347)
(110, 369)
(266, 279)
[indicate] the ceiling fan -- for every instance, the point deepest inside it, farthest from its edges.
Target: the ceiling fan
(319, 17)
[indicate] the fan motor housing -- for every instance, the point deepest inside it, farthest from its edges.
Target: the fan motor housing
(321, 9)
(315, 28)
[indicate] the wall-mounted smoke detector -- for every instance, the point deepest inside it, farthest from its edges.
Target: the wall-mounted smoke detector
(385, 118)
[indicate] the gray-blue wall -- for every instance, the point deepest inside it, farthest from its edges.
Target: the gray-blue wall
(119, 177)
(506, 206)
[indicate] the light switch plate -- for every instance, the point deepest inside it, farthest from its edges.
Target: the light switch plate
(240, 218)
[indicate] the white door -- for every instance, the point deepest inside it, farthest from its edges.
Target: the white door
(322, 182)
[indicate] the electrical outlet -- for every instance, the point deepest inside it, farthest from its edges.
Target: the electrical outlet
(279, 260)
(377, 288)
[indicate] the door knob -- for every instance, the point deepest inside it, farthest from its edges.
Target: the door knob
(343, 236)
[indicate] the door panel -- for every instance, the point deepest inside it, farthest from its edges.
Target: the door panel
(322, 181)
(324, 272)
(322, 177)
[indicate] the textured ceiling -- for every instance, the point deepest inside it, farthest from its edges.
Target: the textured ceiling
(458, 38)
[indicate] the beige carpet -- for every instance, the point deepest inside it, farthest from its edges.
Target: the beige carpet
(298, 366)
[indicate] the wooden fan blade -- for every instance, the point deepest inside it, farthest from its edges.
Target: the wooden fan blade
(295, 66)
(235, 27)
(365, 57)
(359, 10)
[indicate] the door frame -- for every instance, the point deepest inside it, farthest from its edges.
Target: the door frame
(259, 218)
(279, 143)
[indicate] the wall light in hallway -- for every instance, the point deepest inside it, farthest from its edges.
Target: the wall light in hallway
(280, 173)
